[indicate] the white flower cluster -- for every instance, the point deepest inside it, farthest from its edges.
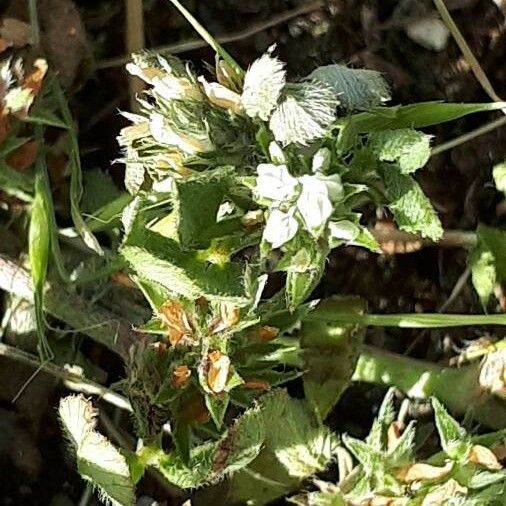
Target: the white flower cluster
(307, 200)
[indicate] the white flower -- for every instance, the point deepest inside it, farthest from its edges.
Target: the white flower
(163, 134)
(281, 227)
(274, 182)
(276, 153)
(164, 186)
(221, 96)
(321, 160)
(334, 186)
(314, 203)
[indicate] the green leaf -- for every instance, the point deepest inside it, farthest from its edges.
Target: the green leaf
(45, 117)
(403, 451)
(38, 251)
(160, 260)
(356, 88)
(494, 240)
(483, 273)
(304, 271)
(99, 190)
(412, 210)
(419, 115)
(499, 174)
(305, 113)
(76, 184)
(378, 434)
(361, 450)
(181, 435)
(217, 407)
(208, 38)
(15, 183)
(409, 148)
(197, 225)
(295, 447)
(98, 460)
(454, 439)
(330, 352)
(263, 83)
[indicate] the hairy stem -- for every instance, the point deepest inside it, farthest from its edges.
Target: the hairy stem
(458, 388)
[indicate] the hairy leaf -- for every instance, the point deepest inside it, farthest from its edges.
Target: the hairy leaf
(412, 210)
(454, 439)
(305, 113)
(356, 88)
(15, 183)
(409, 148)
(263, 83)
(98, 460)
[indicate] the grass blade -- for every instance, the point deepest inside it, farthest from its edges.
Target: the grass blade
(76, 183)
(207, 37)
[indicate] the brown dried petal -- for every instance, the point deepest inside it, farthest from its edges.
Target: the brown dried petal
(267, 333)
(180, 376)
(175, 320)
(393, 435)
(423, 472)
(217, 374)
(256, 384)
(484, 457)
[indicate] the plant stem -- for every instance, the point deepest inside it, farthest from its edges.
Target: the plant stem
(34, 22)
(99, 324)
(458, 388)
(407, 320)
(450, 239)
(72, 381)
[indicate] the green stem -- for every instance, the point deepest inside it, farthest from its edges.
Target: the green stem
(407, 320)
(207, 37)
(34, 22)
(457, 388)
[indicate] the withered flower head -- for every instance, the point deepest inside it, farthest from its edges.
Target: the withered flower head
(175, 319)
(218, 371)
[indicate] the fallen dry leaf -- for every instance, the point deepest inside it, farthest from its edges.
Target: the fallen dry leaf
(423, 472)
(218, 370)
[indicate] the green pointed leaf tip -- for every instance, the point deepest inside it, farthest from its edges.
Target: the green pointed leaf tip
(412, 210)
(453, 437)
(409, 148)
(357, 89)
(98, 460)
(305, 113)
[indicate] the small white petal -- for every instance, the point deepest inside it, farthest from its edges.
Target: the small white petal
(281, 227)
(343, 230)
(275, 182)
(334, 186)
(314, 203)
(321, 160)
(221, 96)
(276, 153)
(164, 186)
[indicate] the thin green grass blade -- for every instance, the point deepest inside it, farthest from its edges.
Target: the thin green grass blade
(408, 320)
(208, 38)
(76, 183)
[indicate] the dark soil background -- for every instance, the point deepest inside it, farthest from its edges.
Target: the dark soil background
(80, 39)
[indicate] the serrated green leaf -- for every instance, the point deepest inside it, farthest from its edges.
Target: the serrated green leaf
(361, 450)
(409, 148)
(197, 225)
(404, 449)
(98, 460)
(499, 174)
(217, 406)
(263, 83)
(304, 114)
(330, 353)
(377, 436)
(484, 479)
(181, 435)
(99, 190)
(412, 210)
(357, 89)
(160, 260)
(366, 240)
(454, 439)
